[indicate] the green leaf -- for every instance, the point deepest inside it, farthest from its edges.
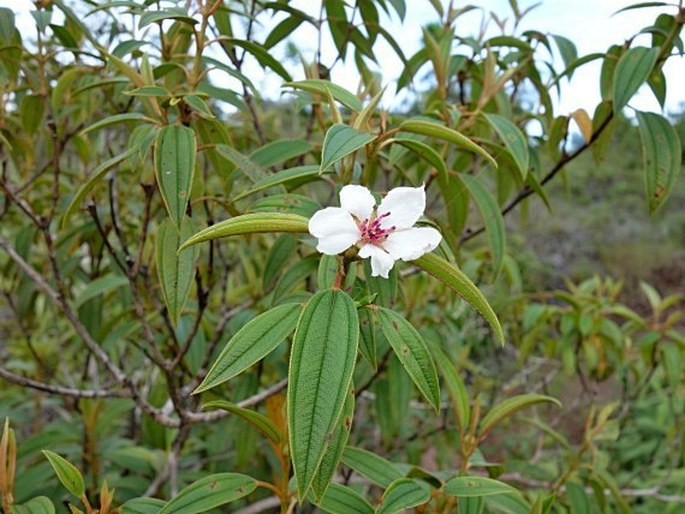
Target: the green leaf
(175, 148)
(250, 224)
(509, 407)
(31, 112)
(288, 203)
(333, 454)
(492, 218)
(68, 475)
(632, 70)
(367, 337)
(101, 285)
(640, 6)
(426, 153)
(178, 14)
(280, 151)
(113, 120)
(278, 255)
(662, 156)
(175, 271)
(472, 486)
(154, 91)
(328, 271)
(86, 188)
(249, 168)
(198, 105)
(429, 128)
(578, 498)
(37, 505)
(210, 492)
(567, 49)
(514, 139)
(404, 493)
(371, 466)
(265, 59)
(298, 174)
(282, 30)
(340, 499)
(142, 506)
(322, 360)
(455, 388)
(453, 277)
(412, 352)
(341, 140)
(507, 503)
(254, 418)
(254, 341)
(324, 87)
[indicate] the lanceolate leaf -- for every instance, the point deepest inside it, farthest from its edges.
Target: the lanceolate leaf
(341, 140)
(339, 498)
(492, 218)
(333, 454)
(429, 128)
(251, 343)
(472, 486)
(254, 418)
(142, 506)
(514, 139)
(632, 70)
(662, 156)
(86, 188)
(402, 494)
(374, 467)
(322, 360)
(298, 174)
(175, 271)
(455, 388)
(280, 151)
(174, 166)
(412, 353)
(261, 54)
(452, 276)
(250, 224)
(323, 87)
(210, 492)
(510, 406)
(68, 475)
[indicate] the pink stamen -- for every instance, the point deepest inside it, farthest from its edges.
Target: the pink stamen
(373, 232)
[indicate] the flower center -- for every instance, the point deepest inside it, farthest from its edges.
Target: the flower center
(372, 232)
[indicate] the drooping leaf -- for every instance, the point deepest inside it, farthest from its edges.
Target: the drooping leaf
(662, 157)
(324, 87)
(412, 353)
(322, 360)
(142, 506)
(340, 141)
(514, 139)
(404, 493)
(250, 224)
(254, 341)
(265, 59)
(254, 418)
(86, 188)
(175, 270)
(210, 492)
(171, 13)
(371, 466)
(280, 151)
(492, 218)
(510, 406)
(435, 130)
(452, 276)
(632, 70)
(455, 389)
(68, 475)
(175, 148)
(342, 499)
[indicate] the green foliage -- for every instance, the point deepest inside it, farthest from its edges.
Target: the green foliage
(171, 327)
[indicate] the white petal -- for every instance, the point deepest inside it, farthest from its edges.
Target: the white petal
(358, 201)
(335, 229)
(381, 261)
(412, 243)
(403, 207)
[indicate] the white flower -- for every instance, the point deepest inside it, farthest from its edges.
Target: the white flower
(385, 234)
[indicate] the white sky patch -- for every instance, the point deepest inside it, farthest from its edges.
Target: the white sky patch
(588, 23)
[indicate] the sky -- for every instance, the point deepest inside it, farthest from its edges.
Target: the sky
(588, 23)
